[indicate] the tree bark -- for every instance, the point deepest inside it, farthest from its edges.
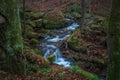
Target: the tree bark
(114, 42)
(11, 34)
(83, 14)
(86, 13)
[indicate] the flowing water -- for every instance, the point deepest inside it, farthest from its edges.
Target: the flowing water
(49, 45)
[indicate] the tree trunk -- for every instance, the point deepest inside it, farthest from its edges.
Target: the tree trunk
(24, 27)
(11, 44)
(114, 42)
(86, 13)
(83, 14)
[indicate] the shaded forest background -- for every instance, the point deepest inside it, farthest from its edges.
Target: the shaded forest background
(87, 49)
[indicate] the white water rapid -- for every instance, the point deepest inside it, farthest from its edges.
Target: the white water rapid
(49, 46)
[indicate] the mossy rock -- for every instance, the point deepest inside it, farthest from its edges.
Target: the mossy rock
(37, 51)
(50, 25)
(75, 7)
(98, 19)
(73, 39)
(51, 58)
(30, 68)
(47, 61)
(73, 11)
(76, 15)
(73, 15)
(82, 49)
(105, 23)
(73, 44)
(95, 27)
(31, 23)
(34, 41)
(31, 34)
(53, 22)
(29, 28)
(35, 15)
(39, 23)
(68, 15)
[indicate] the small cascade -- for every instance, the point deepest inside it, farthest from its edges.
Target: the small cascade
(49, 46)
(57, 54)
(58, 38)
(60, 60)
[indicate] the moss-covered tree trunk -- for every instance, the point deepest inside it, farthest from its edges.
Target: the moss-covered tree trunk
(114, 42)
(11, 44)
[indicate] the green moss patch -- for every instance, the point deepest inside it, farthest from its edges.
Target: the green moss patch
(53, 22)
(75, 46)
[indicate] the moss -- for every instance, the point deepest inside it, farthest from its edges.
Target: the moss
(76, 15)
(32, 68)
(68, 15)
(72, 42)
(37, 14)
(74, 45)
(34, 58)
(31, 35)
(29, 28)
(54, 25)
(51, 58)
(75, 7)
(31, 23)
(45, 70)
(61, 75)
(96, 27)
(34, 41)
(98, 19)
(105, 23)
(73, 11)
(39, 23)
(114, 42)
(13, 39)
(83, 73)
(83, 49)
(37, 51)
(53, 22)
(99, 62)
(47, 61)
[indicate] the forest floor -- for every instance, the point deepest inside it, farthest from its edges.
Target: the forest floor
(94, 60)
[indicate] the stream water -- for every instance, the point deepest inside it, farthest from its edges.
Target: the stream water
(49, 45)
